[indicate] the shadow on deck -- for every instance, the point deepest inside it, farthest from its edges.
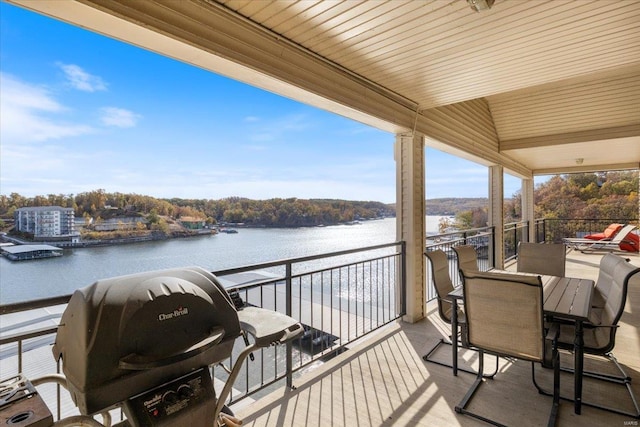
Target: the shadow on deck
(384, 381)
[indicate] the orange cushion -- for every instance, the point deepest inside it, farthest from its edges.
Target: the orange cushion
(611, 230)
(595, 236)
(608, 233)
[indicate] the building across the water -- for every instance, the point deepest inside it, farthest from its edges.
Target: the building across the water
(25, 252)
(47, 222)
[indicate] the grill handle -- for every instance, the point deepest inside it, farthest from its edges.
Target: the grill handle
(138, 362)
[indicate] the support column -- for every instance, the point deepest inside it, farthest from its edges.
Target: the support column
(410, 219)
(496, 215)
(527, 207)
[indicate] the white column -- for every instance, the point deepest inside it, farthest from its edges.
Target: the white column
(410, 219)
(527, 207)
(496, 215)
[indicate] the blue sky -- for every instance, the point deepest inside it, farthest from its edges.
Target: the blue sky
(81, 112)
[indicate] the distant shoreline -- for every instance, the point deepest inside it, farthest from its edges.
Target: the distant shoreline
(99, 242)
(153, 237)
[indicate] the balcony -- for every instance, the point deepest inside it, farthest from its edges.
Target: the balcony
(367, 369)
(384, 381)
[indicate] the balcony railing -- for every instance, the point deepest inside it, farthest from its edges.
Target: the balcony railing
(514, 233)
(338, 297)
(482, 239)
(554, 230)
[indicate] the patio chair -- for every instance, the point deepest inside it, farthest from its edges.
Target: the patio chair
(600, 333)
(505, 318)
(443, 285)
(542, 258)
(608, 232)
(622, 240)
(467, 258)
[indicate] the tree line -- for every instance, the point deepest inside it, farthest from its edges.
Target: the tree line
(290, 212)
(571, 196)
(610, 195)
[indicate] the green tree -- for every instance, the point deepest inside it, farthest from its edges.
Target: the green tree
(161, 225)
(153, 217)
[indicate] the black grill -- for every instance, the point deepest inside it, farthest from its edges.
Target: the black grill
(144, 342)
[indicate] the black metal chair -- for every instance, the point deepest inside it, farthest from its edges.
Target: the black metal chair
(443, 285)
(504, 314)
(600, 332)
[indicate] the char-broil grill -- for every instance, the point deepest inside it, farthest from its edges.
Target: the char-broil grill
(144, 342)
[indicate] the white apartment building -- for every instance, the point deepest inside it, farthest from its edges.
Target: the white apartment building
(45, 221)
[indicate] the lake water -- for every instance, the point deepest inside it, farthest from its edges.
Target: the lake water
(28, 280)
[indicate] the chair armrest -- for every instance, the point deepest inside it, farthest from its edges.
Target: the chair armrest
(551, 345)
(592, 326)
(554, 332)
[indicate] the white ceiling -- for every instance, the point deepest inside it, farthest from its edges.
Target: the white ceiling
(561, 78)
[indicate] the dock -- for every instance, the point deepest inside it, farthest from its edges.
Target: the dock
(27, 252)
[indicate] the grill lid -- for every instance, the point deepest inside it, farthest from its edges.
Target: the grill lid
(123, 335)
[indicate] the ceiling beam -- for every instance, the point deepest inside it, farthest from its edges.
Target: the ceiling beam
(571, 138)
(588, 168)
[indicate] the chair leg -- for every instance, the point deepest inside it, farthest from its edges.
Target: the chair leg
(556, 387)
(623, 380)
(555, 406)
(606, 377)
(461, 408)
(635, 414)
(427, 358)
(611, 357)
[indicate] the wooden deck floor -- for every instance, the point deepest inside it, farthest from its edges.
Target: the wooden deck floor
(384, 381)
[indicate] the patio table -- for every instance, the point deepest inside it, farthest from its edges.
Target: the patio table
(565, 298)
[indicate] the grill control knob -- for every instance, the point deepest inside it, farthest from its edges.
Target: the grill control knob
(185, 391)
(170, 397)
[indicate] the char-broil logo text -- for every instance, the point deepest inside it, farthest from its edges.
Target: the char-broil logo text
(180, 311)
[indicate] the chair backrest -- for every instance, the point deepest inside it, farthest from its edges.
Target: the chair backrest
(607, 234)
(612, 230)
(441, 281)
(608, 266)
(467, 257)
(504, 313)
(542, 258)
(622, 234)
(613, 282)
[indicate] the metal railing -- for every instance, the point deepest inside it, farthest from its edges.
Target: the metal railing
(514, 233)
(540, 229)
(482, 239)
(554, 230)
(338, 297)
(546, 230)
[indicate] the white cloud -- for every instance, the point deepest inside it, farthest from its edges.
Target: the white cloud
(35, 156)
(119, 117)
(21, 95)
(25, 114)
(81, 80)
